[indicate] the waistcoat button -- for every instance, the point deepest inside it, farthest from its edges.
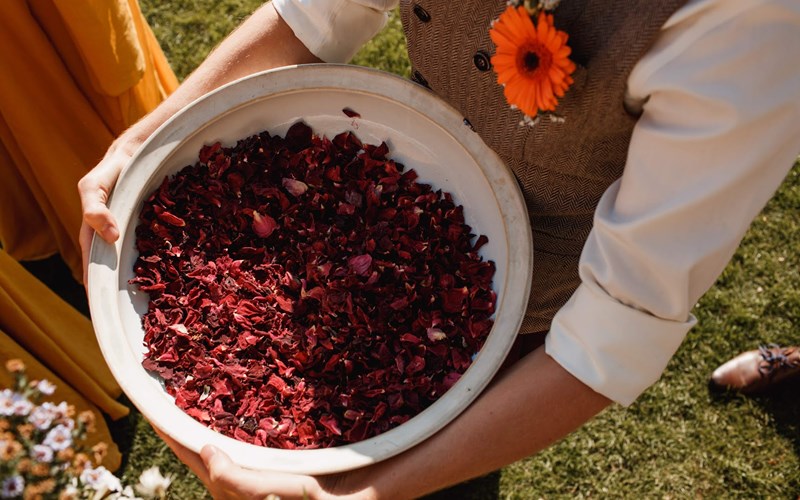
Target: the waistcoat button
(417, 77)
(482, 61)
(421, 13)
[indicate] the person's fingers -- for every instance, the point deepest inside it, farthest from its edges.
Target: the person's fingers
(94, 190)
(218, 464)
(221, 483)
(229, 480)
(85, 239)
(222, 471)
(96, 217)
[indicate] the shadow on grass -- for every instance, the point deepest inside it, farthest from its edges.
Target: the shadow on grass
(481, 488)
(781, 402)
(54, 273)
(123, 430)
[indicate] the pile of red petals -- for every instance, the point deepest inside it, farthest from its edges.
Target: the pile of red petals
(308, 293)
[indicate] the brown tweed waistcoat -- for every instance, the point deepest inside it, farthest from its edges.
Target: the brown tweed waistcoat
(562, 167)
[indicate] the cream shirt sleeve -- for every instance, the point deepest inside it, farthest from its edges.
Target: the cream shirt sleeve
(334, 30)
(719, 132)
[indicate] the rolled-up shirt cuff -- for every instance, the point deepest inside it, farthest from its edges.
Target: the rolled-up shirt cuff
(615, 349)
(333, 30)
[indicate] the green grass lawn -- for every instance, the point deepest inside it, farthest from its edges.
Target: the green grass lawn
(678, 440)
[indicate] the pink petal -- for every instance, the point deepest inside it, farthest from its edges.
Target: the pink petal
(295, 187)
(263, 225)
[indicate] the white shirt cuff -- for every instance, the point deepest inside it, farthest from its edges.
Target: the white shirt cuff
(616, 350)
(332, 30)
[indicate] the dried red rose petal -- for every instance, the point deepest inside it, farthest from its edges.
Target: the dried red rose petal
(350, 113)
(263, 225)
(294, 186)
(307, 292)
(360, 264)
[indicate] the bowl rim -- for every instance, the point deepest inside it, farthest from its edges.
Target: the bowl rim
(103, 268)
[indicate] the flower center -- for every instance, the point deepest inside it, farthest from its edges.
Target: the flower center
(531, 61)
(532, 58)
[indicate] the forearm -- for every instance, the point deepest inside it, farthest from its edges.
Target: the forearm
(532, 405)
(264, 41)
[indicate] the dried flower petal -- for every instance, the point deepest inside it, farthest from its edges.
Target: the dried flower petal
(436, 334)
(295, 187)
(350, 113)
(329, 331)
(263, 225)
(360, 264)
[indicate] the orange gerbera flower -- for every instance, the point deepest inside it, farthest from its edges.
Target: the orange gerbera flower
(531, 60)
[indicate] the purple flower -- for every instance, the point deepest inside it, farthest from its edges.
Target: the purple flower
(12, 487)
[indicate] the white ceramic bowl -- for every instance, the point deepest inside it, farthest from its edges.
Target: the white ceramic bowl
(422, 132)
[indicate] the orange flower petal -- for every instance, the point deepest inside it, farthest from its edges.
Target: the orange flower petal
(532, 85)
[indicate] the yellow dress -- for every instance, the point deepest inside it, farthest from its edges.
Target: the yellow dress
(73, 75)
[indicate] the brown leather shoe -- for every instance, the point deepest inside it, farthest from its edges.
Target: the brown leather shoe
(756, 371)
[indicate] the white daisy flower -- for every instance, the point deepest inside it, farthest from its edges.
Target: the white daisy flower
(42, 453)
(59, 438)
(152, 484)
(100, 479)
(46, 387)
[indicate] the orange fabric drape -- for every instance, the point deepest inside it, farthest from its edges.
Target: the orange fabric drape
(73, 75)
(55, 333)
